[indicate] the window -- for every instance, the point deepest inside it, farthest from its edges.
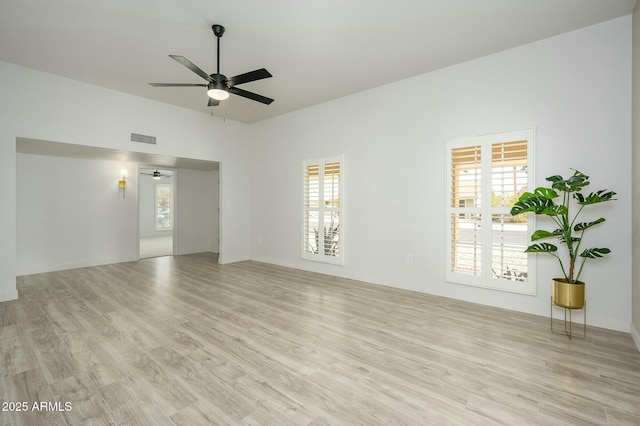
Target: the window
(164, 207)
(485, 246)
(323, 201)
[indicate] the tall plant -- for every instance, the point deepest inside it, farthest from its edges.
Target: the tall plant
(570, 232)
(331, 242)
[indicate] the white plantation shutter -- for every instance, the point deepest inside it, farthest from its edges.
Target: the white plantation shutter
(466, 213)
(486, 175)
(311, 208)
(322, 210)
(509, 235)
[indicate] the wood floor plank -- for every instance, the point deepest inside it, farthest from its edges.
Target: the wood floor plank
(162, 384)
(199, 413)
(30, 387)
(210, 387)
(16, 352)
(82, 396)
(9, 313)
(132, 405)
(54, 356)
(184, 340)
(272, 405)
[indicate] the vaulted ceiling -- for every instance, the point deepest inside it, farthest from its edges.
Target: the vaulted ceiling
(317, 50)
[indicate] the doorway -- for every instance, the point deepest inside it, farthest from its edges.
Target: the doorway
(156, 211)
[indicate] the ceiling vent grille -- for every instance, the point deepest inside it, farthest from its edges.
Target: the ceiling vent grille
(137, 137)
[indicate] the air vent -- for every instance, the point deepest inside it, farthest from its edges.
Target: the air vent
(137, 137)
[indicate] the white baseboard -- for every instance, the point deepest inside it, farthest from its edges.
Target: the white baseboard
(39, 269)
(192, 250)
(635, 336)
(264, 259)
(223, 260)
(8, 295)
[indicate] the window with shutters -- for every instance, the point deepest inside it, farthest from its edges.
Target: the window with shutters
(485, 244)
(323, 209)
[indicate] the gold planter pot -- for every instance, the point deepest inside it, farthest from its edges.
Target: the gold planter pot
(568, 295)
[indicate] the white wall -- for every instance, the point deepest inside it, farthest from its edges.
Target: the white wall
(8, 267)
(635, 328)
(214, 205)
(70, 214)
(42, 106)
(574, 88)
(196, 211)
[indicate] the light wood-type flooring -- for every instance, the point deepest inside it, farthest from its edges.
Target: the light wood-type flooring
(187, 341)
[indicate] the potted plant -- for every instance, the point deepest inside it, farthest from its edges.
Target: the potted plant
(568, 291)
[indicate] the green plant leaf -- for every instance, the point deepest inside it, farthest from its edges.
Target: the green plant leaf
(541, 234)
(526, 195)
(525, 205)
(595, 197)
(541, 248)
(555, 178)
(593, 253)
(574, 183)
(531, 203)
(586, 225)
(578, 180)
(542, 192)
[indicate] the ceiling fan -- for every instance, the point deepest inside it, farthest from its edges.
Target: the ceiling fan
(156, 175)
(219, 86)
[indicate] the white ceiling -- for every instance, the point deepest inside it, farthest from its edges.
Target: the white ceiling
(317, 50)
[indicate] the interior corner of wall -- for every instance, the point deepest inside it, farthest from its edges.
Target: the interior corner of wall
(635, 335)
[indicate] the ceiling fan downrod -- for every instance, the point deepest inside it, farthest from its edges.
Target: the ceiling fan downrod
(218, 30)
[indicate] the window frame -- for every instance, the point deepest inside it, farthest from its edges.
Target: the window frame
(321, 256)
(486, 210)
(155, 207)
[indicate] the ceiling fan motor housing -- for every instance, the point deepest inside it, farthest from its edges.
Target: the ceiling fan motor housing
(218, 78)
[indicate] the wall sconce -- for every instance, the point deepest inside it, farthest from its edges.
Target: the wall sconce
(122, 183)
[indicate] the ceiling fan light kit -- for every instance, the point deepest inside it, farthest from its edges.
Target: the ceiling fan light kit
(218, 85)
(218, 91)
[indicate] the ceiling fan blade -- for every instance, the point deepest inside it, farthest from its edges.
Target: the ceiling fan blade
(187, 63)
(176, 85)
(213, 102)
(250, 95)
(249, 76)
